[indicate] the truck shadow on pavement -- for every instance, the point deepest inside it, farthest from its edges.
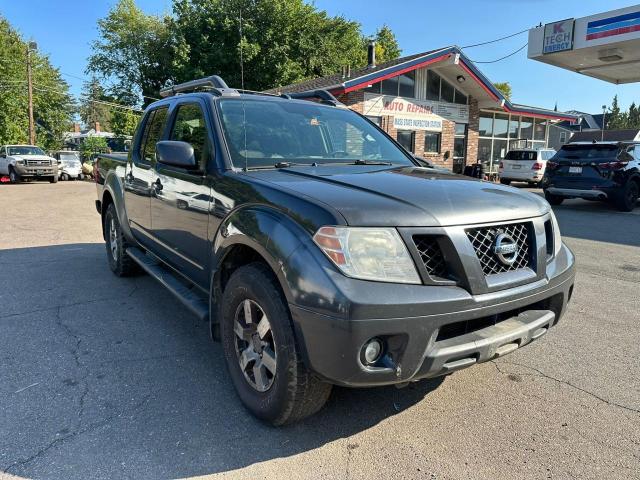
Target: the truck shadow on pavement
(106, 377)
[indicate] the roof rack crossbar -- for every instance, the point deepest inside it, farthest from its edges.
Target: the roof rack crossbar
(214, 81)
(323, 95)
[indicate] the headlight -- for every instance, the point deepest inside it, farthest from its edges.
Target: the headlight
(557, 238)
(19, 162)
(368, 253)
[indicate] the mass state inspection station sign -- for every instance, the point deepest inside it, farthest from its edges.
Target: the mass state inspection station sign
(558, 36)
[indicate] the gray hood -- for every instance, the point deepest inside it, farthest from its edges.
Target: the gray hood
(406, 196)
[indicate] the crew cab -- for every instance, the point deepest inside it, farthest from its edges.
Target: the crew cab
(607, 171)
(525, 165)
(319, 251)
(27, 162)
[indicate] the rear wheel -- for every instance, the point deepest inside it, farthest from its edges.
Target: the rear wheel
(64, 177)
(504, 181)
(628, 199)
(553, 199)
(120, 263)
(261, 353)
(13, 176)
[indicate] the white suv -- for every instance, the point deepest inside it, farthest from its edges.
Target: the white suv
(525, 165)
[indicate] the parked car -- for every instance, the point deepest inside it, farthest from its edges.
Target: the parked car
(322, 260)
(69, 166)
(27, 162)
(525, 165)
(607, 171)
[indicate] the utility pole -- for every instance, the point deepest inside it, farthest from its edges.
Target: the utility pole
(32, 128)
(604, 121)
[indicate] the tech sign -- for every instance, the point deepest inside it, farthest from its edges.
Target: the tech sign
(411, 114)
(558, 36)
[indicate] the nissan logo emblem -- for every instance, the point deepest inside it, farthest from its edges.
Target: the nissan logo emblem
(506, 249)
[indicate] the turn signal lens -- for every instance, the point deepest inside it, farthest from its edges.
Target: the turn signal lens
(537, 166)
(613, 165)
(368, 253)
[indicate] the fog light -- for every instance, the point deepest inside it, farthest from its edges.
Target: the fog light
(371, 351)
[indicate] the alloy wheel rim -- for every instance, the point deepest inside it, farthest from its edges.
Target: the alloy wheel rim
(113, 239)
(255, 345)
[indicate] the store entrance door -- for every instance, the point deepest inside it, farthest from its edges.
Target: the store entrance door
(459, 148)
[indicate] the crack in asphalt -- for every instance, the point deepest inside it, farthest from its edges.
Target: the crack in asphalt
(75, 304)
(540, 373)
(89, 428)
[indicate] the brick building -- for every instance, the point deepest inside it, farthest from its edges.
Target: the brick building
(438, 105)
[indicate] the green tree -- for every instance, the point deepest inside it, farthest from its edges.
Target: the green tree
(92, 144)
(91, 108)
(136, 52)
(53, 106)
(504, 88)
(633, 117)
(615, 118)
(387, 47)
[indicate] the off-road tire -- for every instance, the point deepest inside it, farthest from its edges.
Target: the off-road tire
(553, 199)
(628, 198)
(296, 392)
(120, 263)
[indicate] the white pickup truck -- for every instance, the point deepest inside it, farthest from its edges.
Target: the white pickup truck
(27, 161)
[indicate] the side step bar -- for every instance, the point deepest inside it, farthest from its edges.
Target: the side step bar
(188, 297)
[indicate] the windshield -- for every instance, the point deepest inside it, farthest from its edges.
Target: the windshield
(304, 133)
(69, 156)
(587, 152)
(21, 150)
(520, 155)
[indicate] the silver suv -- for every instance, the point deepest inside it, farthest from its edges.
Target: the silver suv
(525, 165)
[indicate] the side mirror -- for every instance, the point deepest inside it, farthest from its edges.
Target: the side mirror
(177, 154)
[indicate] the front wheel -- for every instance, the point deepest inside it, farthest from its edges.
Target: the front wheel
(628, 199)
(13, 176)
(261, 353)
(553, 199)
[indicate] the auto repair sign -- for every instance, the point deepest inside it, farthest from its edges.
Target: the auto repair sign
(558, 36)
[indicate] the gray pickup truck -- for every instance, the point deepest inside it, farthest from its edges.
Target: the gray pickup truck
(319, 251)
(27, 162)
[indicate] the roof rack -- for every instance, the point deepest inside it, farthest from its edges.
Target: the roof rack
(323, 96)
(214, 82)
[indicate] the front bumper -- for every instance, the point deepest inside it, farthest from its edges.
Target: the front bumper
(449, 329)
(36, 171)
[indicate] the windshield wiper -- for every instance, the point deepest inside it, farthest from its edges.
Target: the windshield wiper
(294, 164)
(361, 161)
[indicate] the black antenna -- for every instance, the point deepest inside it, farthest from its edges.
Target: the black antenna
(244, 113)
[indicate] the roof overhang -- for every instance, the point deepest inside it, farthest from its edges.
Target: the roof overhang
(604, 46)
(452, 60)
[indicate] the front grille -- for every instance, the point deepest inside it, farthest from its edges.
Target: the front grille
(483, 240)
(431, 255)
(38, 163)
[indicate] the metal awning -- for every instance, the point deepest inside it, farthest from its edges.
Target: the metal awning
(604, 46)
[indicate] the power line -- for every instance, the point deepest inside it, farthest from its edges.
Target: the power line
(112, 88)
(506, 56)
(497, 39)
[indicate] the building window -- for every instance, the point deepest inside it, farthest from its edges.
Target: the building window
(460, 98)
(526, 128)
(376, 120)
(446, 91)
(501, 125)
(390, 86)
(484, 150)
(431, 142)
(433, 85)
(563, 137)
(375, 88)
(486, 125)
(540, 130)
(406, 138)
(461, 129)
(407, 84)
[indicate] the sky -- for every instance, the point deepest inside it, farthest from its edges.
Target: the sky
(65, 29)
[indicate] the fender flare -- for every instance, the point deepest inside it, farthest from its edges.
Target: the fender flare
(113, 185)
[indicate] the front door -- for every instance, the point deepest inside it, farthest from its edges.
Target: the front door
(139, 176)
(182, 197)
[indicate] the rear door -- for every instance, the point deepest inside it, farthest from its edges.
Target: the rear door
(140, 175)
(182, 197)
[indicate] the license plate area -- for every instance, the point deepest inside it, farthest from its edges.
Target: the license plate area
(575, 170)
(39, 172)
(516, 167)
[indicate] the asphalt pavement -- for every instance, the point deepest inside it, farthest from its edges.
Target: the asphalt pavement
(103, 377)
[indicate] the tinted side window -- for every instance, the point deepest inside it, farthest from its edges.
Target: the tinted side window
(153, 133)
(190, 127)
